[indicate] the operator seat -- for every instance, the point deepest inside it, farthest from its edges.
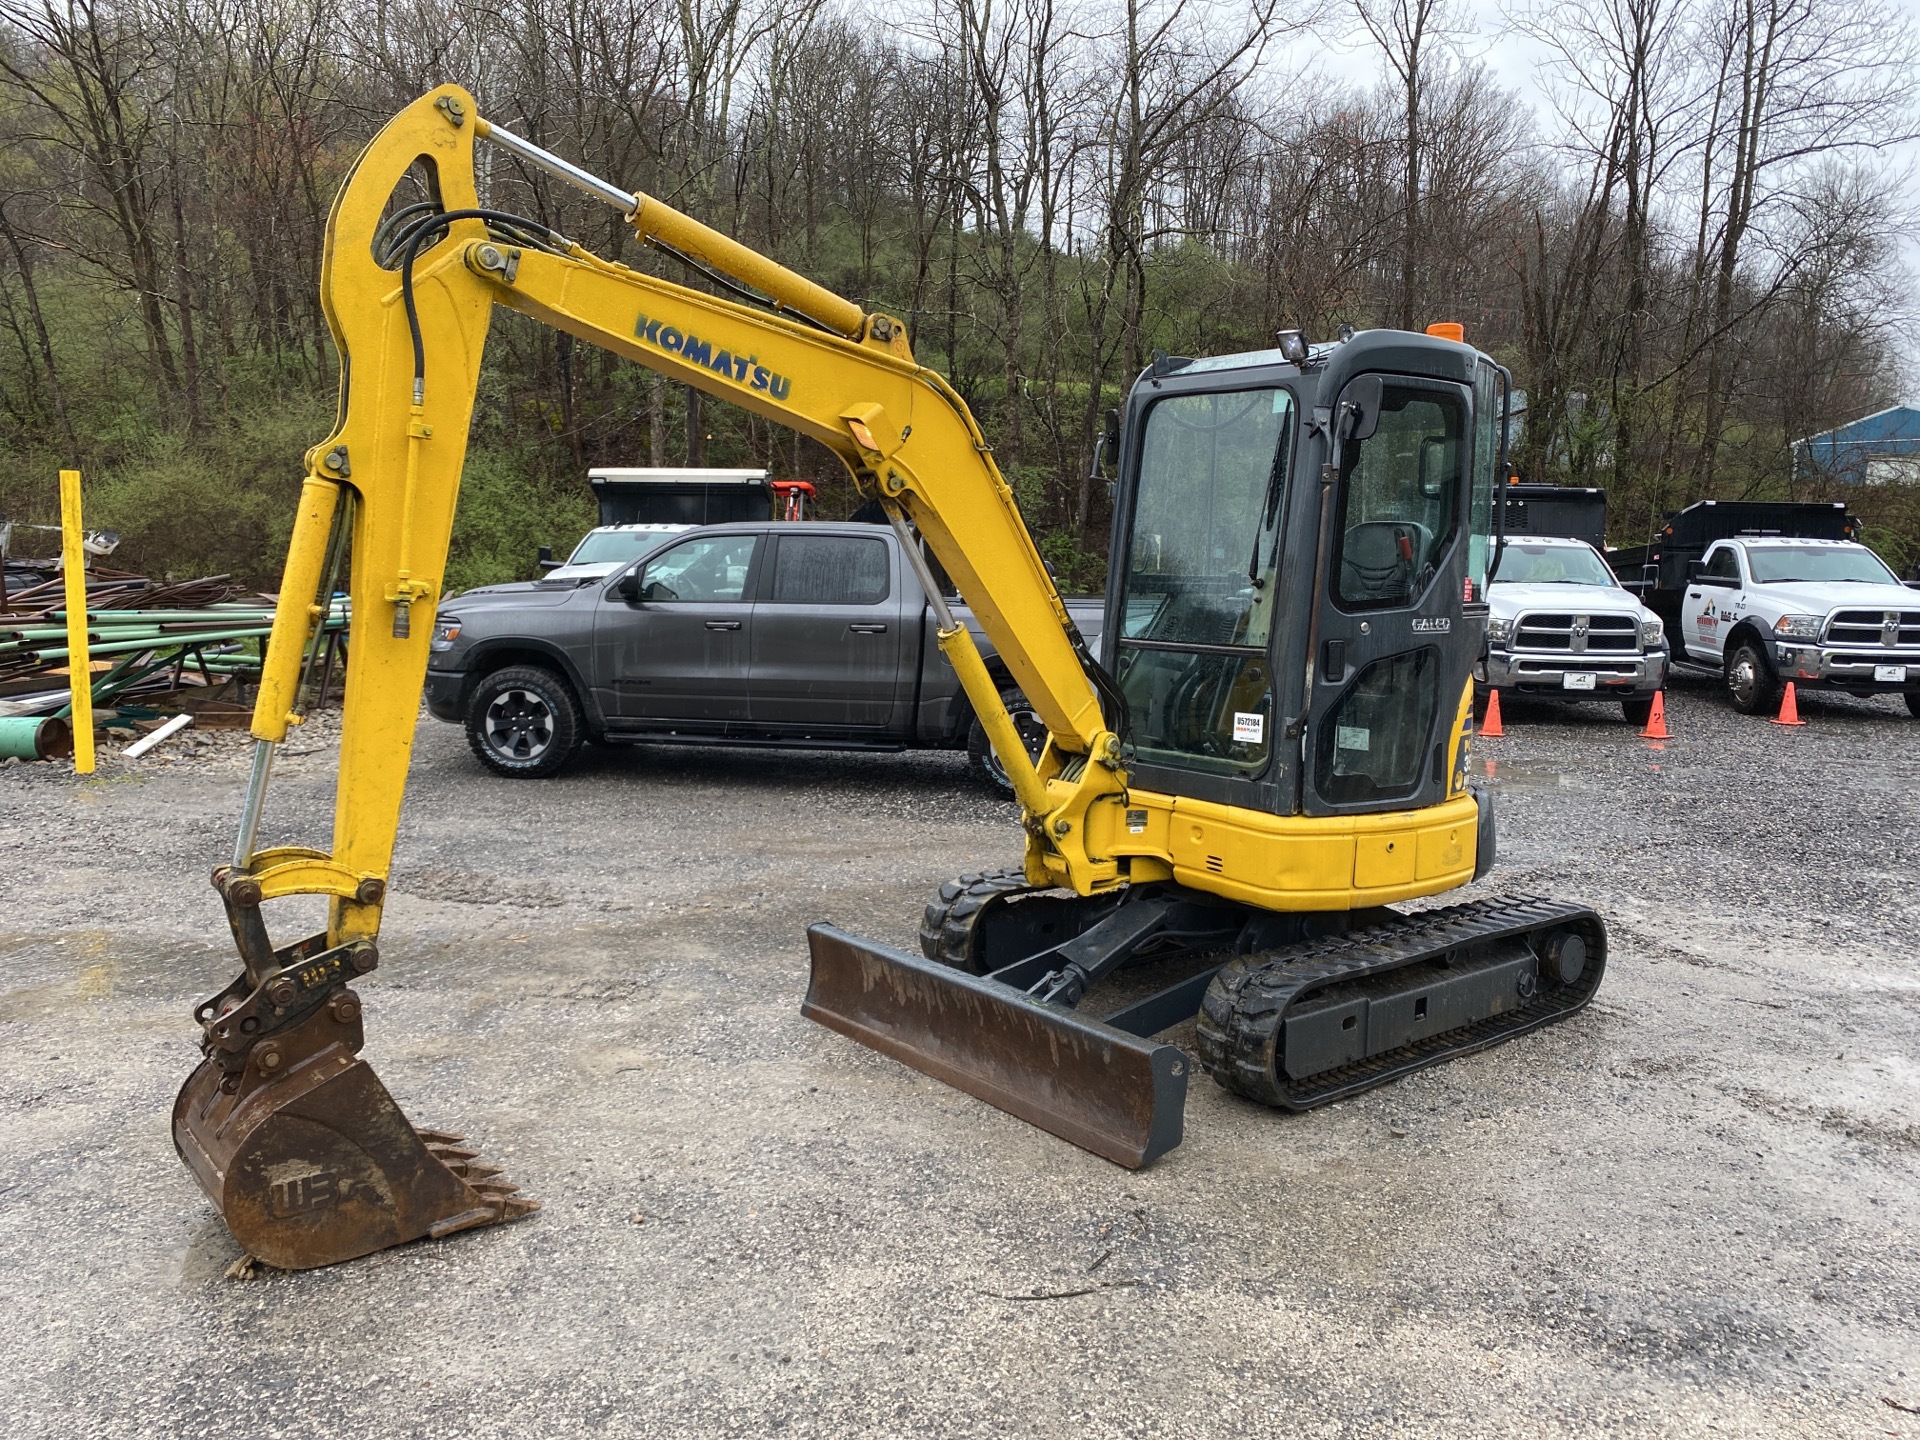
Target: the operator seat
(1378, 559)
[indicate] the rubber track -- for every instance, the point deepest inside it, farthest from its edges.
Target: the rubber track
(946, 930)
(1242, 1014)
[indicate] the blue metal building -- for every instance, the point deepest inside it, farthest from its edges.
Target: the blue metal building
(1878, 449)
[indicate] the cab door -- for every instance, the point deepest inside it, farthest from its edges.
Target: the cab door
(1706, 612)
(1392, 646)
(828, 634)
(671, 645)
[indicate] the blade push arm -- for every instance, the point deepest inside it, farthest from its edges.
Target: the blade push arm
(411, 345)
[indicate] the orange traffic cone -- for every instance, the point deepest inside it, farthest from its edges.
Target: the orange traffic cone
(1789, 709)
(1657, 719)
(1490, 726)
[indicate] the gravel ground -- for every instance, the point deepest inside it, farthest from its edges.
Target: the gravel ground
(1690, 1211)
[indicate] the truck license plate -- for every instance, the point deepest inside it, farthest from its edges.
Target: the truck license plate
(1889, 672)
(1578, 680)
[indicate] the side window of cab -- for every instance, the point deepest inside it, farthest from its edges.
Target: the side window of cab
(710, 569)
(1724, 564)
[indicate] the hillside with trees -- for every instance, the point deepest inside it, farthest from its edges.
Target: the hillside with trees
(1690, 258)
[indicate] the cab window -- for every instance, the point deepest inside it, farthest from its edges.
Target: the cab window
(830, 570)
(712, 568)
(1401, 502)
(1723, 564)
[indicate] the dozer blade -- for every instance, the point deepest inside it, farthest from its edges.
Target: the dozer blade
(310, 1161)
(1115, 1094)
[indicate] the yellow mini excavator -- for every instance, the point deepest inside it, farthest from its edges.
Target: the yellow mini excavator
(1269, 752)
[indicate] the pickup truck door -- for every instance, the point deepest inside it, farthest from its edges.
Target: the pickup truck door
(676, 653)
(828, 636)
(1705, 612)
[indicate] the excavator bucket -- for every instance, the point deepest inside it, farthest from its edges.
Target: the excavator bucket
(309, 1160)
(1108, 1091)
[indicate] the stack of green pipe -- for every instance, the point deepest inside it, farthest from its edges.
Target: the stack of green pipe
(126, 635)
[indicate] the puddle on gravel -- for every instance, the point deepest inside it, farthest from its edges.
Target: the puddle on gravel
(1528, 775)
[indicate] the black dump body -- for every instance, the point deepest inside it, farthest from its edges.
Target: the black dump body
(685, 502)
(1657, 572)
(1578, 512)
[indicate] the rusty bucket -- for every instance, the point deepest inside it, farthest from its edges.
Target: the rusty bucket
(309, 1160)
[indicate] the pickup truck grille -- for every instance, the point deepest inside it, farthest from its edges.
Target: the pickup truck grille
(1578, 634)
(1886, 628)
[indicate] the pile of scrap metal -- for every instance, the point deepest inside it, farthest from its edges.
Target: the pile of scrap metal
(155, 648)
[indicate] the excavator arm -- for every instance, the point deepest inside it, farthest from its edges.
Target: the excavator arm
(411, 332)
(306, 1155)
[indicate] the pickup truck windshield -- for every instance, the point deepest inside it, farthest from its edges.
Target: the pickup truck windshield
(1523, 564)
(1781, 564)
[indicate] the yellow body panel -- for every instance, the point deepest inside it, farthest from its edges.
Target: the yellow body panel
(1302, 862)
(855, 388)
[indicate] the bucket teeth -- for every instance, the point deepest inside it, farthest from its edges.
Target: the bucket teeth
(438, 1137)
(489, 1182)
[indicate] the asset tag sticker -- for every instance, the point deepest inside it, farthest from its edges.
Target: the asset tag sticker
(1352, 737)
(1248, 729)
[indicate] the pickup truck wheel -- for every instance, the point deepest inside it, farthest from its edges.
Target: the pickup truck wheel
(523, 722)
(980, 754)
(1913, 703)
(1480, 694)
(1638, 712)
(1751, 684)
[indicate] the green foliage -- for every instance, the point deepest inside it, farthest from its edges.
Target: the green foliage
(506, 512)
(221, 503)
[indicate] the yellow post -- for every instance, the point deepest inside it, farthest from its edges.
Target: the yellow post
(79, 670)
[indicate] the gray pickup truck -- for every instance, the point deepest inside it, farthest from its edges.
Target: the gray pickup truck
(763, 633)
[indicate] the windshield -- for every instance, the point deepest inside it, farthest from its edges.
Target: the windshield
(1201, 571)
(1212, 475)
(1524, 564)
(617, 546)
(1778, 564)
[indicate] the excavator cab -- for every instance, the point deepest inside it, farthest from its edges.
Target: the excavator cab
(1292, 560)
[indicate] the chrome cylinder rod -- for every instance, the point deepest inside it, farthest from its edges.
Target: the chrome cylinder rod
(910, 547)
(625, 201)
(256, 803)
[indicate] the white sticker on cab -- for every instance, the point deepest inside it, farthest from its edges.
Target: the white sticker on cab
(1248, 729)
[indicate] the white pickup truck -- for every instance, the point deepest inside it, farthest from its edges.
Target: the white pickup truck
(1559, 624)
(1826, 614)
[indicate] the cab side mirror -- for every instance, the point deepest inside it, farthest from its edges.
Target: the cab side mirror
(1360, 407)
(627, 587)
(1695, 569)
(544, 558)
(1112, 435)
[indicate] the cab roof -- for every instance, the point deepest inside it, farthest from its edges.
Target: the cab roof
(1320, 352)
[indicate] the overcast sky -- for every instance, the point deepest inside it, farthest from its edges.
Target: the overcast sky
(1519, 63)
